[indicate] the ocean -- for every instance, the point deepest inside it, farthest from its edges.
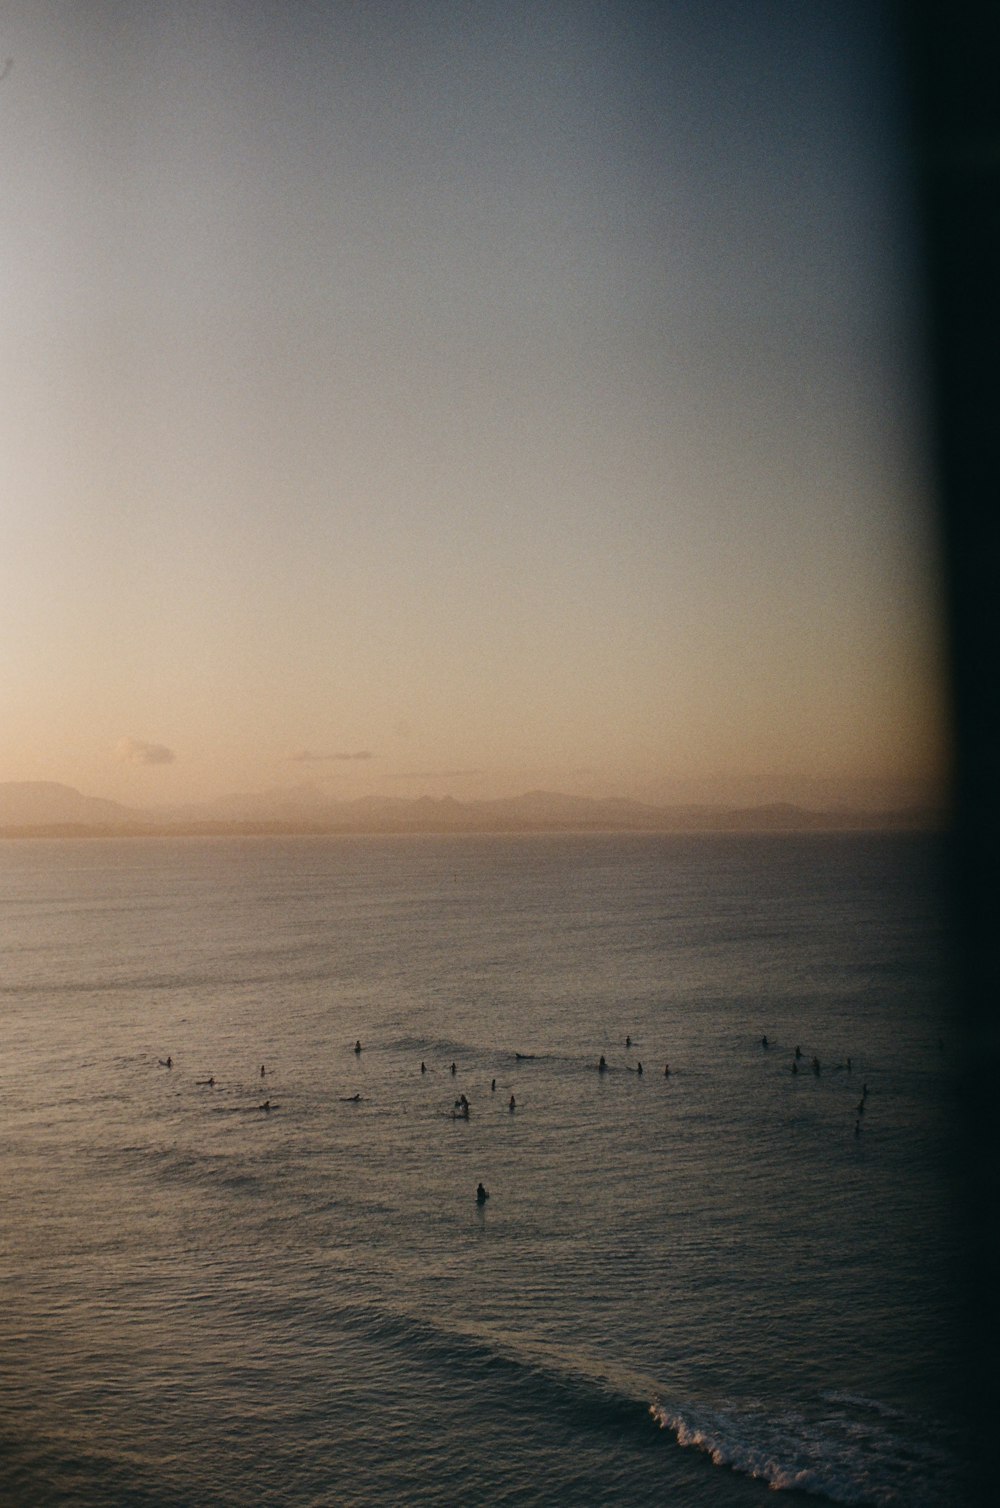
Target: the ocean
(690, 1288)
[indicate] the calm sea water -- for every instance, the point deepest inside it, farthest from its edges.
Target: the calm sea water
(683, 1289)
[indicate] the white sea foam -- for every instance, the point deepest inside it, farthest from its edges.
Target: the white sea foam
(844, 1453)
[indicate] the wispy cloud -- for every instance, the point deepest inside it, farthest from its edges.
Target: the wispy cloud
(306, 756)
(137, 751)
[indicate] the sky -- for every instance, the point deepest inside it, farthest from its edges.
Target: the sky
(463, 399)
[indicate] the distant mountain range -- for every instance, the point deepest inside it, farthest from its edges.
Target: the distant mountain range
(45, 808)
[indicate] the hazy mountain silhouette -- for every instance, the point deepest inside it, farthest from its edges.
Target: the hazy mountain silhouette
(45, 806)
(45, 803)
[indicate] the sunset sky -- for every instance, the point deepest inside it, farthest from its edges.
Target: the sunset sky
(457, 398)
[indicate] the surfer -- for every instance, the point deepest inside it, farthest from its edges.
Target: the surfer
(857, 1128)
(666, 1070)
(209, 1082)
(453, 1068)
(481, 1195)
(628, 1041)
(423, 1066)
(795, 1066)
(350, 1099)
(763, 1041)
(266, 1106)
(262, 1070)
(815, 1066)
(166, 1062)
(357, 1046)
(512, 1103)
(639, 1069)
(602, 1067)
(798, 1052)
(493, 1087)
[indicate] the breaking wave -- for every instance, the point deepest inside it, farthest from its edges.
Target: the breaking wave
(847, 1449)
